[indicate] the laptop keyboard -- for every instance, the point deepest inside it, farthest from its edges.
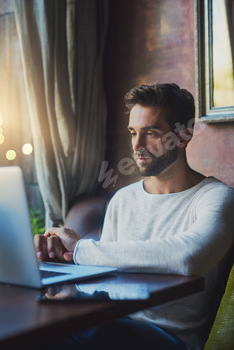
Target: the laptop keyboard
(46, 274)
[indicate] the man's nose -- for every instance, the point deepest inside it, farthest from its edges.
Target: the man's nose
(138, 143)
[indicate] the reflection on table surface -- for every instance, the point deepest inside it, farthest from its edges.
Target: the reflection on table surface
(125, 286)
(109, 288)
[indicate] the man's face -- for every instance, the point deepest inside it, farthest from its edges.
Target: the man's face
(154, 148)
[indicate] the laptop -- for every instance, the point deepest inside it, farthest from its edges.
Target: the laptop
(18, 260)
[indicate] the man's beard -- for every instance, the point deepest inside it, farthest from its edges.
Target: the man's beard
(157, 164)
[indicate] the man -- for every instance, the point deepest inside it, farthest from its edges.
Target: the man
(173, 221)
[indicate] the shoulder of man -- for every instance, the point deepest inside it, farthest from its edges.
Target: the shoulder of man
(212, 184)
(214, 192)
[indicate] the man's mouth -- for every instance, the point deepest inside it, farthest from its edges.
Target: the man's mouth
(141, 158)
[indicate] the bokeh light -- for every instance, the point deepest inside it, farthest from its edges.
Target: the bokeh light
(27, 148)
(11, 154)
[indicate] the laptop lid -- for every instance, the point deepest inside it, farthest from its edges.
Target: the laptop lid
(18, 261)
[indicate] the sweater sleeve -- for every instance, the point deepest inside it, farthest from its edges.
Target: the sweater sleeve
(192, 252)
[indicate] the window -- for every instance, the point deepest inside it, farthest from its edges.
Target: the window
(215, 60)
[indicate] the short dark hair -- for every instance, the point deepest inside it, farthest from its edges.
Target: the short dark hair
(178, 102)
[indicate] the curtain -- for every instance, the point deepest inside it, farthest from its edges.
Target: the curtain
(62, 44)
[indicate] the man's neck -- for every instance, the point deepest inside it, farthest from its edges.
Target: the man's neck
(176, 180)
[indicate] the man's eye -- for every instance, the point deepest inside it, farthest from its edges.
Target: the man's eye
(151, 134)
(132, 133)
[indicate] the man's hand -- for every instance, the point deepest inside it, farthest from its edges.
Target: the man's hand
(56, 243)
(62, 291)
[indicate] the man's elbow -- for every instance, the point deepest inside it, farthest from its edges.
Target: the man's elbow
(195, 266)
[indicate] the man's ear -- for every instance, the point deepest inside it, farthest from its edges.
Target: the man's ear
(184, 136)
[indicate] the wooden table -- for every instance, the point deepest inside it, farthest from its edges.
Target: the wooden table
(23, 319)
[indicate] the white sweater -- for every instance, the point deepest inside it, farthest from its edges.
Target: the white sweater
(187, 233)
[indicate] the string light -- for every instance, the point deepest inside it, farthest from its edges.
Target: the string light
(11, 154)
(27, 148)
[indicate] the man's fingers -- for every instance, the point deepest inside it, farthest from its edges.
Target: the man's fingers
(55, 247)
(40, 243)
(52, 231)
(68, 256)
(49, 247)
(68, 237)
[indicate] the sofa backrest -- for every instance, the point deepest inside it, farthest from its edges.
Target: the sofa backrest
(86, 216)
